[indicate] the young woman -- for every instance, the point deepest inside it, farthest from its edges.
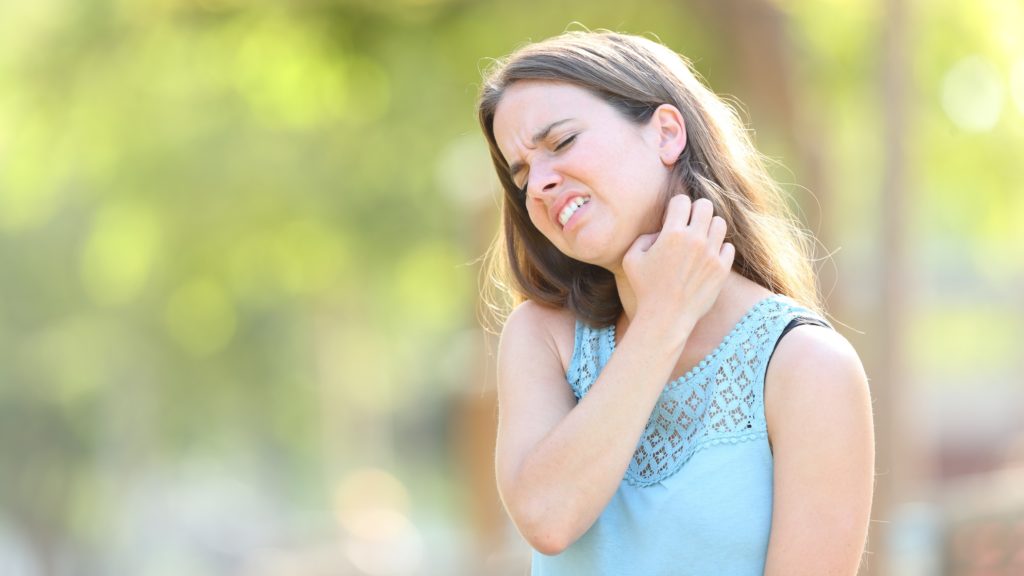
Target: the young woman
(643, 429)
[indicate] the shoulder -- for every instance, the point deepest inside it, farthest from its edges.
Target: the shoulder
(819, 353)
(533, 319)
(532, 325)
(815, 375)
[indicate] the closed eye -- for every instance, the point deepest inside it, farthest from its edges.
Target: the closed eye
(565, 143)
(558, 148)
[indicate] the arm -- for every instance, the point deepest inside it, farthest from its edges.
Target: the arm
(558, 463)
(819, 422)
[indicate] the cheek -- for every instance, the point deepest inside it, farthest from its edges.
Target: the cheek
(538, 215)
(651, 177)
(629, 166)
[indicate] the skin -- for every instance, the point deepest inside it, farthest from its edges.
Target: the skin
(559, 462)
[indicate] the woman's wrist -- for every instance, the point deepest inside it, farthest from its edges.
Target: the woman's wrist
(664, 328)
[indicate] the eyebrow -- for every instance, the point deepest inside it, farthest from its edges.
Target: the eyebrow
(542, 134)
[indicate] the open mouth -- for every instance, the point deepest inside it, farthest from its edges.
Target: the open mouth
(570, 208)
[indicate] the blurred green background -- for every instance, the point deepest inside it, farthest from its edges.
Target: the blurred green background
(239, 258)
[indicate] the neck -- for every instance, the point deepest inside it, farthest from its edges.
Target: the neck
(626, 296)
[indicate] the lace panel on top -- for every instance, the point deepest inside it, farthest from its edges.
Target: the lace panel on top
(719, 400)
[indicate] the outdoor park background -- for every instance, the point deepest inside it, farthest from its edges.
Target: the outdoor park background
(239, 249)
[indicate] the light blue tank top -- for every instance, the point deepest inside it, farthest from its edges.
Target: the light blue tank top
(697, 496)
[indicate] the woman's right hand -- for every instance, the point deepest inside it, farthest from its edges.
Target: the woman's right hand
(676, 274)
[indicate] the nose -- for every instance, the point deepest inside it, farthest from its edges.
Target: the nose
(544, 180)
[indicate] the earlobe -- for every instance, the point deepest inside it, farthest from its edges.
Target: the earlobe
(671, 133)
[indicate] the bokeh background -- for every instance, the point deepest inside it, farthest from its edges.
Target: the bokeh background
(239, 259)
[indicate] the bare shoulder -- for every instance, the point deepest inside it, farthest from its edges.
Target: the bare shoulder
(814, 360)
(537, 315)
(531, 324)
(815, 373)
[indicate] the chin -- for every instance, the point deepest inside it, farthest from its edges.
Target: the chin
(601, 258)
(595, 247)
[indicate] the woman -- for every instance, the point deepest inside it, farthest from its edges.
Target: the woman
(642, 428)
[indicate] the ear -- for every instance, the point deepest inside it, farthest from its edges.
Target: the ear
(668, 121)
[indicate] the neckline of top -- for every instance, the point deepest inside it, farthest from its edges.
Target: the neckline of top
(711, 356)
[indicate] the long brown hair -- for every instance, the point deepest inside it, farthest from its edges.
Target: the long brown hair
(635, 76)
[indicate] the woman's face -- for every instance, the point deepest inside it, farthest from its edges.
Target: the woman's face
(594, 181)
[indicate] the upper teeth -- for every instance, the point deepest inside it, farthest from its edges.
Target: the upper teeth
(570, 209)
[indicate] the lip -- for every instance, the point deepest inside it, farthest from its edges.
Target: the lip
(557, 207)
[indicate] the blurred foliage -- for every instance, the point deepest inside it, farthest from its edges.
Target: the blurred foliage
(238, 241)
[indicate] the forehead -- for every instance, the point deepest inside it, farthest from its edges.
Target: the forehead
(529, 105)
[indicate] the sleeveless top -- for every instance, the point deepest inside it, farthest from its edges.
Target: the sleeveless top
(697, 496)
